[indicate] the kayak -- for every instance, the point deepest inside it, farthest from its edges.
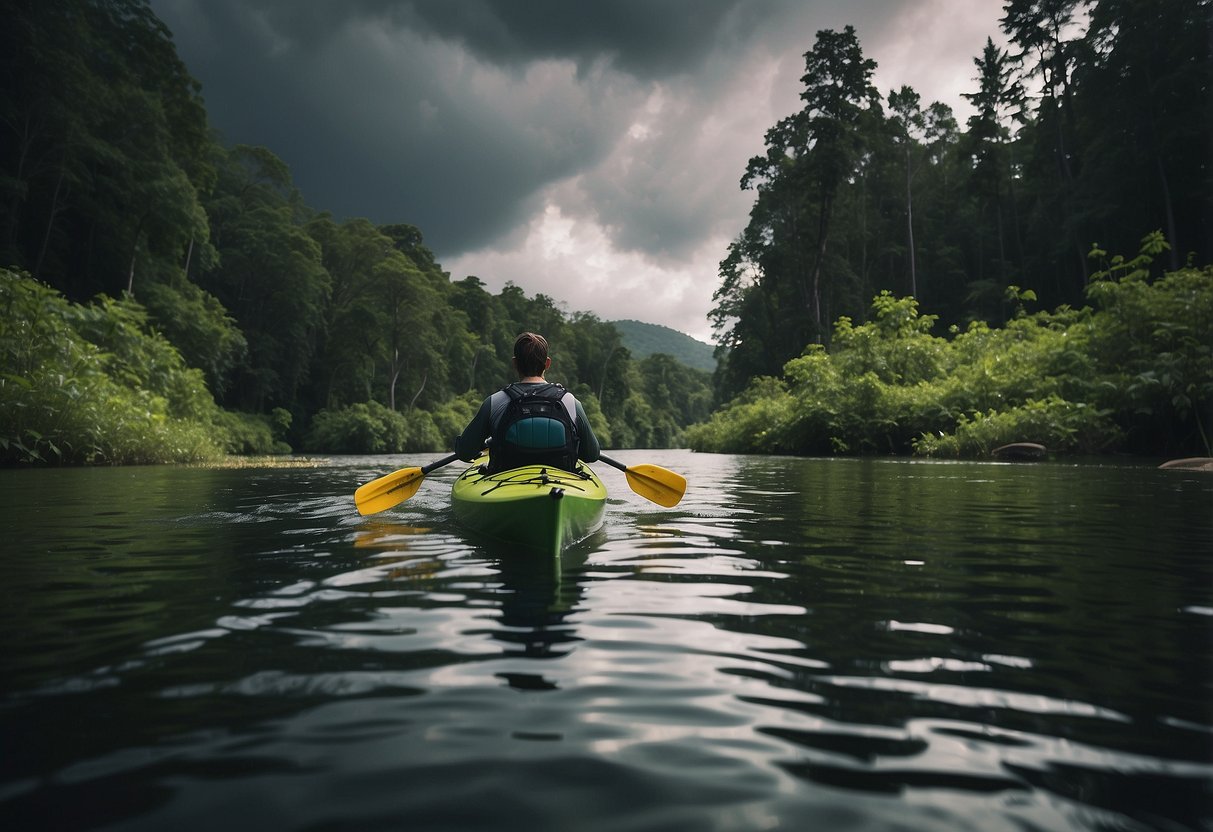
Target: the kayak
(537, 506)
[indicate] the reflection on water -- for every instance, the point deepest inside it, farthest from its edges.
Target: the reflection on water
(833, 644)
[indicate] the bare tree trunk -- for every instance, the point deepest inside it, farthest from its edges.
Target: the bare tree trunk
(823, 230)
(391, 389)
(189, 254)
(472, 372)
(910, 227)
(130, 279)
(605, 364)
(424, 377)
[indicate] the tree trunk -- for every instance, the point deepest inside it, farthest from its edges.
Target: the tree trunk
(130, 278)
(823, 230)
(189, 254)
(391, 389)
(424, 377)
(910, 227)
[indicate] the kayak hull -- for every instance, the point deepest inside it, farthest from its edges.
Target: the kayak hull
(536, 507)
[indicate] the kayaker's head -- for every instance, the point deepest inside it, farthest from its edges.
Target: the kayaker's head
(531, 355)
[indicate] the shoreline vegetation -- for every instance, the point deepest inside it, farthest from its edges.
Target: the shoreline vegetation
(169, 298)
(1132, 372)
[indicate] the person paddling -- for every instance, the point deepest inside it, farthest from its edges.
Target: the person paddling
(528, 422)
(532, 421)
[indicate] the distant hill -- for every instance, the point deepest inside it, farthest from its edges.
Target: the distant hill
(642, 340)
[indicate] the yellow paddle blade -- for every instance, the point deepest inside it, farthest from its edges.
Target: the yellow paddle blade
(388, 490)
(661, 485)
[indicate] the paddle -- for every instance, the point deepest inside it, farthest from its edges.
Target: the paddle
(396, 487)
(661, 485)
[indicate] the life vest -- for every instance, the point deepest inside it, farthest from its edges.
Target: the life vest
(535, 428)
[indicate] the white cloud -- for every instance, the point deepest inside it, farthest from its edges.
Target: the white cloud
(573, 260)
(598, 164)
(936, 56)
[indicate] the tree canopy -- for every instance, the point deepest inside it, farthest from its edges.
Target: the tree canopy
(1092, 126)
(181, 289)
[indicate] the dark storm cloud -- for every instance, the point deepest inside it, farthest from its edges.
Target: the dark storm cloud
(368, 100)
(645, 38)
(490, 124)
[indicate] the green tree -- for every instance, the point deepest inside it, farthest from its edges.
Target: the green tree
(998, 101)
(269, 276)
(1144, 100)
(773, 293)
(921, 134)
(1046, 34)
(109, 144)
(838, 94)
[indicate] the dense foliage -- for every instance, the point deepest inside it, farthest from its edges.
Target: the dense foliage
(1093, 125)
(334, 336)
(172, 297)
(95, 384)
(1132, 371)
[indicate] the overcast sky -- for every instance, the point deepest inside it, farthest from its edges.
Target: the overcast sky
(587, 150)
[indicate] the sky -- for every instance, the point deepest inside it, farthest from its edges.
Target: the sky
(589, 151)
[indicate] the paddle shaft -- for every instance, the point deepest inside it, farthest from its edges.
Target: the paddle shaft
(438, 463)
(613, 463)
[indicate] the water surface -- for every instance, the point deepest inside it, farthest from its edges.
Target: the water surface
(801, 644)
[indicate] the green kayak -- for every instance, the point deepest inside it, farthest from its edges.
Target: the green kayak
(537, 507)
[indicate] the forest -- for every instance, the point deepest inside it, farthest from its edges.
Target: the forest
(1091, 134)
(170, 297)
(158, 277)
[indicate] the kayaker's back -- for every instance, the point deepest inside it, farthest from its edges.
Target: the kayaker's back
(536, 426)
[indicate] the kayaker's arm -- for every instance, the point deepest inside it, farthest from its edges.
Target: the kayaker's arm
(470, 443)
(588, 448)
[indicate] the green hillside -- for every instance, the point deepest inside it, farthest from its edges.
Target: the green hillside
(643, 340)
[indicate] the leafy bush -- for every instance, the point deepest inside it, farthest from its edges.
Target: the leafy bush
(1053, 422)
(1153, 346)
(452, 417)
(255, 433)
(198, 326)
(754, 422)
(372, 428)
(1136, 370)
(90, 384)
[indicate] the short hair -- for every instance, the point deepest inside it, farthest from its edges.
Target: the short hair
(531, 354)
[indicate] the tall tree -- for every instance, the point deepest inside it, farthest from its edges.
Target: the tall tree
(777, 270)
(1145, 98)
(998, 102)
(269, 275)
(1047, 34)
(921, 135)
(827, 132)
(107, 146)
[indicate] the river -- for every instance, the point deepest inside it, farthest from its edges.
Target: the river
(801, 644)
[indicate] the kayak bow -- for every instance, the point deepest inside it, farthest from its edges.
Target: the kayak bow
(537, 506)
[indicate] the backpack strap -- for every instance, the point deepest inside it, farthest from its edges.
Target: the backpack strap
(516, 405)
